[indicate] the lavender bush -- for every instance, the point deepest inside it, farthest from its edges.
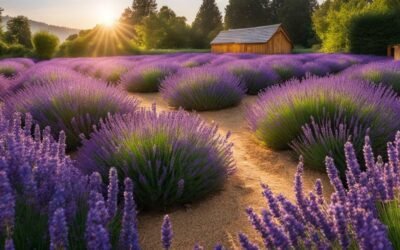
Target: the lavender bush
(71, 107)
(287, 68)
(42, 75)
(387, 73)
(203, 89)
(172, 157)
(147, 78)
(317, 69)
(11, 69)
(338, 106)
(254, 77)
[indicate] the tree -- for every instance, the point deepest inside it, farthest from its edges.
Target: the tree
(142, 9)
(45, 44)
(333, 20)
(126, 16)
(207, 24)
(245, 13)
(1, 21)
(164, 30)
(373, 32)
(275, 9)
(18, 31)
(295, 15)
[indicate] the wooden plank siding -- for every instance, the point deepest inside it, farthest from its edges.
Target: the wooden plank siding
(394, 52)
(278, 44)
(397, 52)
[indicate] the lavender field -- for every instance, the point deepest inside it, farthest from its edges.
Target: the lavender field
(203, 151)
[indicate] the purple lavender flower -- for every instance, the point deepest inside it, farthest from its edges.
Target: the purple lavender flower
(246, 244)
(9, 245)
(354, 171)
(335, 179)
(96, 235)
(7, 204)
(273, 205)
(259, 225)
(112, 198)
(128, 238)
(219, 247)
(166, 233)
(341, 225)
(198, 247)
(58, 231)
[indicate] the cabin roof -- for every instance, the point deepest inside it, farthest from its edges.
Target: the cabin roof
(260, 34)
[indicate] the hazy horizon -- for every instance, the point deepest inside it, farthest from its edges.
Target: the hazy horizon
(88, 13)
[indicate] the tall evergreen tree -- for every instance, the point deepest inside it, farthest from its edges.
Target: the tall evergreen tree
(295, 15)
(266, 5)
(275, 8)
(142, 9)
(245, 13)
(207, 24)
(18, 31)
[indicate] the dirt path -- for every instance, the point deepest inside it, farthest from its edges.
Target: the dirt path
(219, 218)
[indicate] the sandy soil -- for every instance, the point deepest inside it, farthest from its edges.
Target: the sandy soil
(220, 217)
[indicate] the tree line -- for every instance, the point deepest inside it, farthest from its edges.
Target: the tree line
(18, 41)
(147, 26)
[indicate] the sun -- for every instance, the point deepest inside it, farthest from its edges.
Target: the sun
(108, 20)
(107, 15)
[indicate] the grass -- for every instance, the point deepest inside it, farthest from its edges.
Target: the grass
(301, 50)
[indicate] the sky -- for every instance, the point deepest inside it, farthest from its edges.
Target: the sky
(84, 14)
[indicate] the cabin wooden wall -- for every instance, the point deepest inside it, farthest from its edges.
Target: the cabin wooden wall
(394, 51)
(397, 52)
(278, 44)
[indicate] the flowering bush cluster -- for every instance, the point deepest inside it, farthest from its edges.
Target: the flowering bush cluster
(70, 107)
(254, 77)
(387, 73)
(203, 89)
(147, 78)
(44, 74)
(334, 108)
(172, 157)
(11, 69)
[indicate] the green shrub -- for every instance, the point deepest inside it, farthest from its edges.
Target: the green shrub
(18, 50)
(3, 48)
(45, 44)
(373, 32)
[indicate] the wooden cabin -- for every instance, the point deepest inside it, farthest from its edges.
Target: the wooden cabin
(394, 51)
(271, 39)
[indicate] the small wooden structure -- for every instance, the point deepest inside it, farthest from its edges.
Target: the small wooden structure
(394, 51)
(271, 39)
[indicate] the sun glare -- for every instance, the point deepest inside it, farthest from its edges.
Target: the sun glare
(107, 16)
